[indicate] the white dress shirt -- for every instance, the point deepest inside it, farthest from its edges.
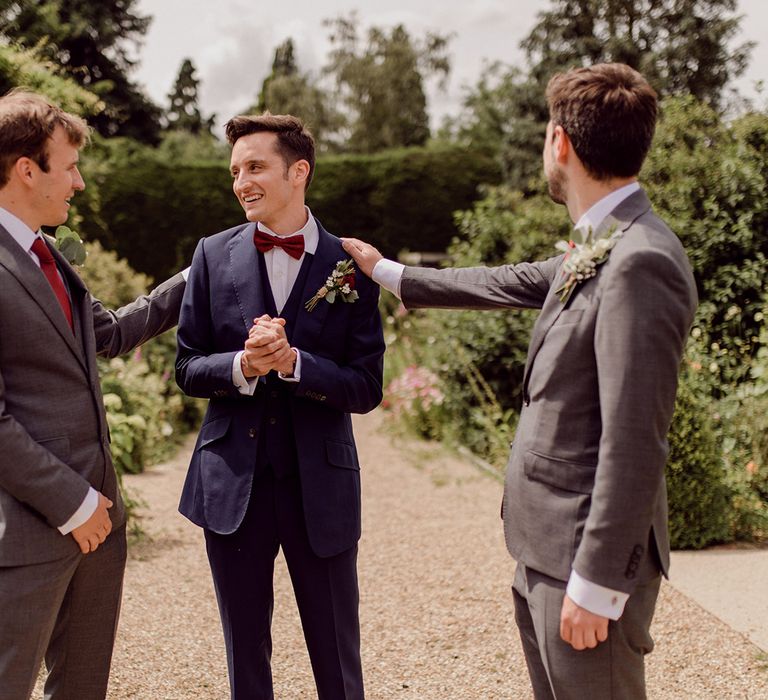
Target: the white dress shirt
(282, 272)
(591, 596)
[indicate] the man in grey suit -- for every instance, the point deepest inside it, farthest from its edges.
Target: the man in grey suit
(62, 522)
(585, 506)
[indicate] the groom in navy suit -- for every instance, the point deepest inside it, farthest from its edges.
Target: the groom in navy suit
(275, 463)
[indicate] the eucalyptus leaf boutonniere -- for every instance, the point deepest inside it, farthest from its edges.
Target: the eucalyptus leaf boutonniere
(582, 259)
(341, 283)
(70, 245)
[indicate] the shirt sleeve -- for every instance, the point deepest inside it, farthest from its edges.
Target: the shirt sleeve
(244, 386)
(296, 376)
(86, 510)
(596, 598)
(388, 273)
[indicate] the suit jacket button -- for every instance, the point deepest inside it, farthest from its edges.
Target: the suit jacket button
(527, 400)
(252, 432)
(272, 420)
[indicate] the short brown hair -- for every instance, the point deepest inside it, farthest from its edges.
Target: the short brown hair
(609, 113)
(294, 141)
(27, 121)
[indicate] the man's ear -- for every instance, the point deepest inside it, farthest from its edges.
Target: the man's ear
(561, 145)
(300, 171)
(24, 168)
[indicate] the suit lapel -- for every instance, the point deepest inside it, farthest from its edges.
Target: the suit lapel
(20, 265)
(309, 324)
(246, 278)
(620, 219)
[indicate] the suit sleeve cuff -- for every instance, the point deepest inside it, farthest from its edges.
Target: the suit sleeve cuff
(388, 274)
(244, 386)
(86, 510)
(596, 598)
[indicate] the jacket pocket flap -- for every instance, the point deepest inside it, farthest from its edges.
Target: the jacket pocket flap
(213, 430)
(341, 454)
(560, 473)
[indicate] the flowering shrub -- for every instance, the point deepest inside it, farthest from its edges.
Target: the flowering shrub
(413, 397)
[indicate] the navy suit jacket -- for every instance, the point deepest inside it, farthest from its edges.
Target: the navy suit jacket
(342, 349)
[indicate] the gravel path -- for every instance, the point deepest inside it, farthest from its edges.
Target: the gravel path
(436, 608)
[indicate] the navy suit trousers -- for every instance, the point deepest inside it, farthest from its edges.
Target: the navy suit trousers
(325, 588)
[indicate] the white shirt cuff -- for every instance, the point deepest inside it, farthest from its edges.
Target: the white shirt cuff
(86, 510)
(296, 376)
(244, 386)
(596, 598)
(185, 273)
(388, 274)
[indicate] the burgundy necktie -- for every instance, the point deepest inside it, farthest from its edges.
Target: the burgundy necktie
(293, 245)
(48, 266)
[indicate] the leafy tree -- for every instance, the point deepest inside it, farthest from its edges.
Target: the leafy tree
(382, 83)
(25, 68)
(93, 42)
(286, 90)
(184, 111)
(681, 46)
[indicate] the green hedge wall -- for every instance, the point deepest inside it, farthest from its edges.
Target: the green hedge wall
(153, 213)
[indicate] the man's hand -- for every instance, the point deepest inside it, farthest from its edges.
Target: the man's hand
(267, 348)
(581, 628)
(364, 255)
(94, 530)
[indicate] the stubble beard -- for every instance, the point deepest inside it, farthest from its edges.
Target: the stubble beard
(556, 182)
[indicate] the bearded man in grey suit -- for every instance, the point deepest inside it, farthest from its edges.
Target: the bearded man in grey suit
(62, 521)
(585, 505)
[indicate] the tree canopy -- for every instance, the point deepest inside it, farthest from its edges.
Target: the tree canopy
(184, 110)
(93, 42)
(380, 82)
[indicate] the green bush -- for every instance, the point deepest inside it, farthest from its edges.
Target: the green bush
(146, 412)
(699, 499)
(708, 178)
(153, 212)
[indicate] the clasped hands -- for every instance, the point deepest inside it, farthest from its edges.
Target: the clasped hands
(267, 348)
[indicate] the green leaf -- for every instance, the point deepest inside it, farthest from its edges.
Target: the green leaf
(70, 245)
(331, 296)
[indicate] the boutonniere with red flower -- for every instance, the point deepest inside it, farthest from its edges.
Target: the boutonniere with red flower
(340, 284)
(582, 259)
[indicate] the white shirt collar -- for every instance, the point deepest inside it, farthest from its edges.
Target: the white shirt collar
(309, 231)
(20, 232)
(596, 214)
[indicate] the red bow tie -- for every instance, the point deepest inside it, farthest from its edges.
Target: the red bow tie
(293, 245)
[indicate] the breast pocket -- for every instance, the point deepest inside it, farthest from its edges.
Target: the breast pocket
(568, 317)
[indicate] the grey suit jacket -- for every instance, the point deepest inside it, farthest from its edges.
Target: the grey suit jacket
(585, 482)
(54, 441)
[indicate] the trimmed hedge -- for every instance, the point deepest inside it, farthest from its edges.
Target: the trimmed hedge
(153, 213)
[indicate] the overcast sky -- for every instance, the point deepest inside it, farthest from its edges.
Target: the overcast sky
(232, 42)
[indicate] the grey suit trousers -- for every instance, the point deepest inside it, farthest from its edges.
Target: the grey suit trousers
(614, 670)
(67, 611)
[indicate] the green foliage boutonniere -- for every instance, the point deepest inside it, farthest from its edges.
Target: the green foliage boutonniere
(70, 245)
(341, 283)
(582, 259)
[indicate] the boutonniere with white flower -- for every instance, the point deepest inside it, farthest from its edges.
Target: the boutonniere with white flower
(582, 259)
(340, 284)
(70, 245)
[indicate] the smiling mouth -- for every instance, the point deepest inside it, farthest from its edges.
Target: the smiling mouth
(251, 198)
